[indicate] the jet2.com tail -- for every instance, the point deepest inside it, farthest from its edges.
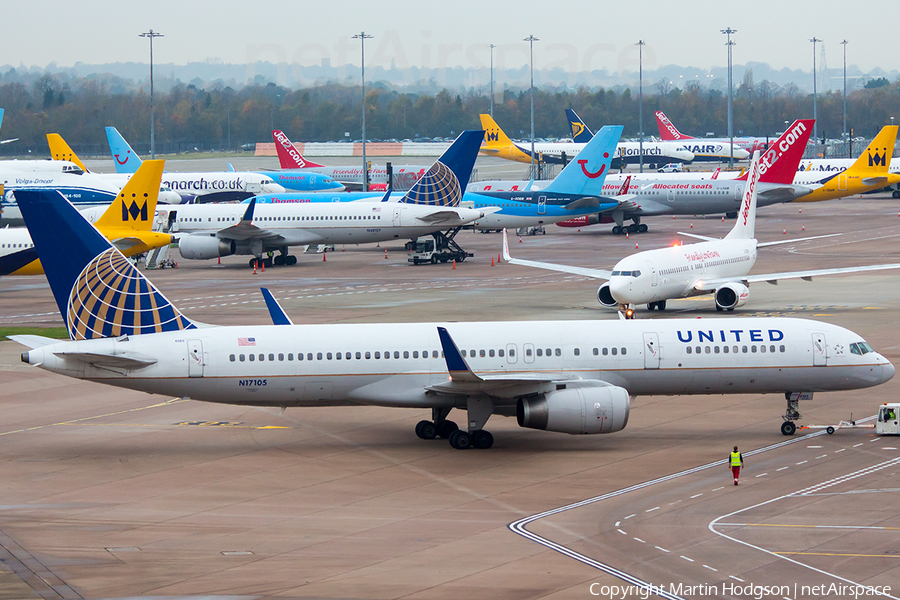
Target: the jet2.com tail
(445, 181)
(100, 294)
(288, 155)
(779, 163)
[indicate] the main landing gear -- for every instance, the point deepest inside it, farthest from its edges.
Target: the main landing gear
(661, 305)
(283, 259)
(633, 228)
(460, 439)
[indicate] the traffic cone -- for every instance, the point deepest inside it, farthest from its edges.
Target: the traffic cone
(692, 224)
(385, 253)
(323, 257)
(801, 211)
(254, 266)
(520, 239)
(723, 218)
(492, 261)
(264, 266)
(627, 236)
(803, 228)
(498, 259)
(635, 245)
(219, 261)
(784, 232)
(579, 231)
(454, 263)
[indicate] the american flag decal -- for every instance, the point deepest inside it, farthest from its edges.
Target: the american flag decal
(246, 341)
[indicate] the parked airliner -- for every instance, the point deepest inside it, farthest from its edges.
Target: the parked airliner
(718, 267)
(432, 205)
(576, 377)
(668, 131)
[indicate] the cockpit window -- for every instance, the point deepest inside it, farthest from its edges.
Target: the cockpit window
(860, 348)
(73, 170)
(625, 274)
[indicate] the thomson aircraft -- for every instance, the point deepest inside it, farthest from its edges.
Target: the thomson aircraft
(703, 150)
(497, 143)
(226, 186)
(432, 205)
(668, 132)
(575, 377)
(718, 267)
(127, 161)
(293, 164)
(126, 223)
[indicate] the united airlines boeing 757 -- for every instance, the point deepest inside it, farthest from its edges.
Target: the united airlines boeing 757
(576, 377)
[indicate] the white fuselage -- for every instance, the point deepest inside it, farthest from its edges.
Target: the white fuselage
(629, 152)
(394, 364)
(676, 271)
(296, 224)
(815, 169)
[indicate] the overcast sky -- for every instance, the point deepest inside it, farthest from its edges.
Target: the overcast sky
(576, 36)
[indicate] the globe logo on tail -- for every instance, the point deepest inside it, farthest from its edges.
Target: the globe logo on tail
(111, 298)
(437, 187)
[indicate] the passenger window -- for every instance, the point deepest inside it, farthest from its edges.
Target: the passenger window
(231, 358)
(772, 348)
(762, 349)
(605, 351)
(358, 355)
(463, 353)
(577, 352)
(753, 349)
(337, 355)
(697, 349)
(500, 353)
(716, 349)
(319, 356)
(596, 351)
(744, 349)
(623, 351)
(368, 355)
(549, 353)
(378, 355)
(540, 352)
(725, 349)
(281, 357)
(614, 351)
(396, 354)
(559, 351)
(528, 352)
(406, 354)
(272, 357)
(512, 352)
(434, 353)
(262, 357)
(481, 353)
(781, 348)
(252, 357)
(415, 354)
(688, 349)
(734, 349)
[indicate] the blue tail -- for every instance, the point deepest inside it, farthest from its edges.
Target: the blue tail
(444, 183)
(587, 171)
(580, 132)
(125, 159)
(2, 110)
(99, 293)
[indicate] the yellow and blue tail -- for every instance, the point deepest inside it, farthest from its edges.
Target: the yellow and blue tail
(586, 173)
(100, 294)
(580, 132)
(444, 183)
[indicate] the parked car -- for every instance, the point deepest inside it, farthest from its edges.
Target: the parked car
(671, 168)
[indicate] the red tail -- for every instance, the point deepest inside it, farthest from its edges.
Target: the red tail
(667, 131)
(288, 155)
(625, 185)
(779, 163)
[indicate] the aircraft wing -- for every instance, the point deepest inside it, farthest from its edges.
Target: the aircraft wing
(698, 237)
(875, 180)
(805, 275)
(583, 271)
(783, 193)
(246, 230)
(779, 242)
(447, 214)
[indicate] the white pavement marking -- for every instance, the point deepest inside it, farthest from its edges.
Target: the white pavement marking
(710, 568)
(802, 461)
(662, 549)
(652, 509)
(629, 516)
(859, 444)
(841, 450)
(762, 474)
(736, 578)
(782, 469)
(696, 496)
(687, 559)
(639, 540)
(622, 532)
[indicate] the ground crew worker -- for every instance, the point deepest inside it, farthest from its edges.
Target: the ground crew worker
(736, 462)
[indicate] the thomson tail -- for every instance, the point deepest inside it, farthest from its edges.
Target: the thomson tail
(100, 294)
(135, 206)
(59, 150)
(586, 173)
(288, 155)
(444, 182)
(876, 158)
(745, 228)
(125, 159)
(580, 132)
(779, 163)
(667, 130)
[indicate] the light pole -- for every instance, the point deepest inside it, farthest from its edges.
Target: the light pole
(531, 40)
(640, 45)
(844, 133)
(151, 34)
(815, 96)
(362, 36)
(729, 43)
(492, 46)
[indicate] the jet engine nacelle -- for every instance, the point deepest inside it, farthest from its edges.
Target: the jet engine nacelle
(200, 247)
(576, 410)
(732, 295)
(604, 297)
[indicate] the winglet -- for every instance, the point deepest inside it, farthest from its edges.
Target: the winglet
(387, 195)
(248, 214)
(506, 255)
(456, 365)
(279, 317)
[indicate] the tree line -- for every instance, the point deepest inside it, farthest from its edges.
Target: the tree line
(221, 117)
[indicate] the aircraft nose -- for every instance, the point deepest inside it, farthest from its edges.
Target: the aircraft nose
(887, 371)
(620, 289)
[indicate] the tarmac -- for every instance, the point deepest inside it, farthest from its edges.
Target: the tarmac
(109, 493)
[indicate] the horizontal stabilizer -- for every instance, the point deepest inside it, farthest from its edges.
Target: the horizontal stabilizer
(114, 361)
(33, 341)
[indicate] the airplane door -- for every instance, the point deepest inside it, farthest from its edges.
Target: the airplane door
(542, 205)
(820, 357)
(670, 196)
(738, 192)
(511, 357)
(397, 216)
(842, 182)
(195, 358)
(652, 353)
(529, 353)
(654, 275)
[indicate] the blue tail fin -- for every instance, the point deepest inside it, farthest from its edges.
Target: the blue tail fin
(443, 184)
(125, 159)
(580, 132)
(587, 171)
(99, 293)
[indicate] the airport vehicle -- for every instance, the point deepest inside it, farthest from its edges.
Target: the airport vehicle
(717, 267)
(430, 207)
(126, 222)
(888, 422)
(126, 161)
(869, 172)
(497, 143)
(671, 168)
(351, 177)
(431, 251)
(576, 377)
(226, 186)
(703, 150)
(668, 131)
